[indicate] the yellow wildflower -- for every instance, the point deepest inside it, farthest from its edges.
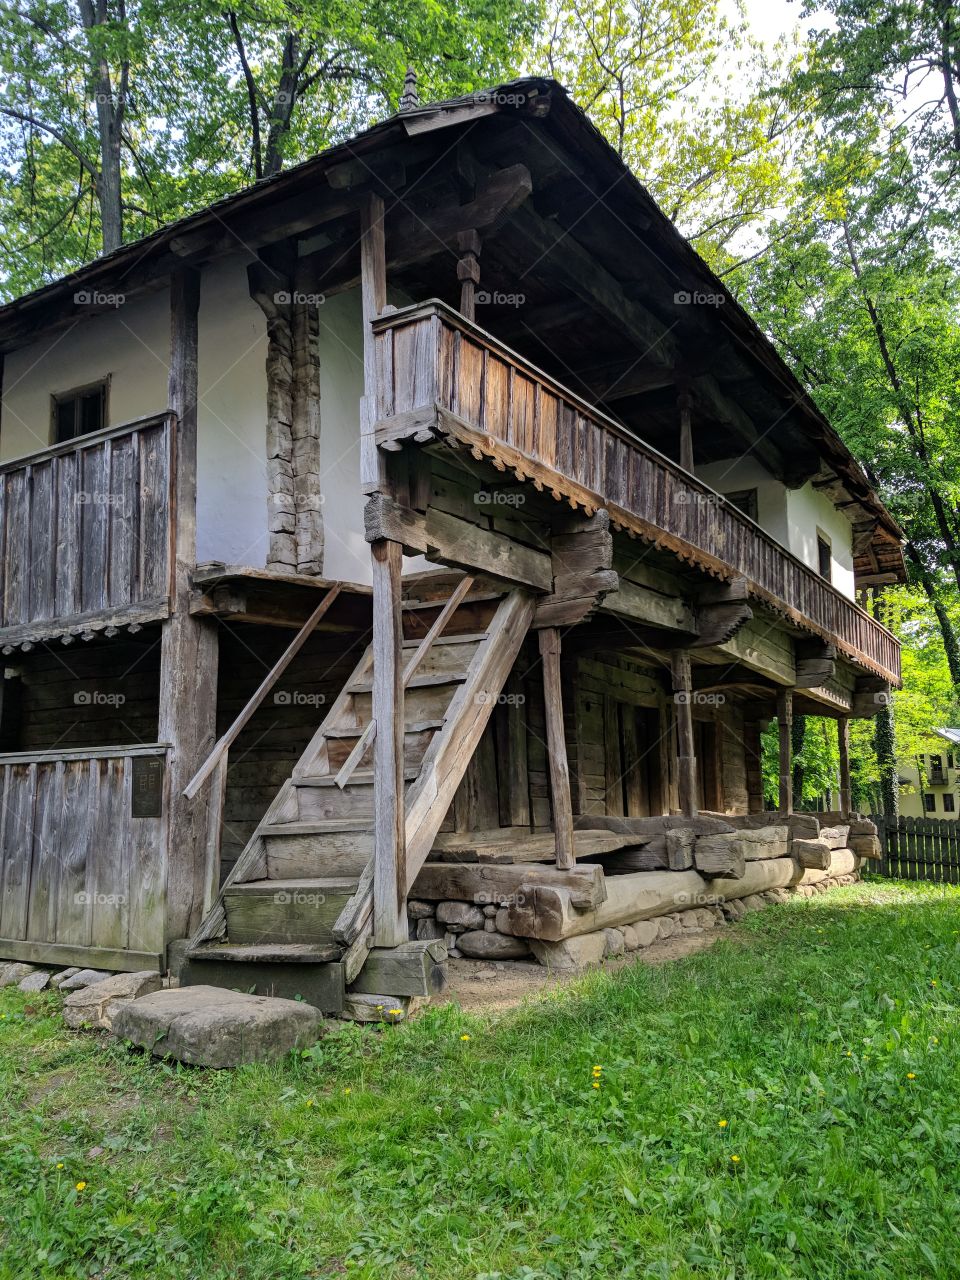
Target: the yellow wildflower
(348, 1089)
(596, 1084)
(722, 1123)
(911, 1075)
(309, 1102)
(59, 1164)
(464, 1037)
(81, 1186)
(395, 1013)
(734, 1159)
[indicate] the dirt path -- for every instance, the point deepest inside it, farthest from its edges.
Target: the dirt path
(505, 984)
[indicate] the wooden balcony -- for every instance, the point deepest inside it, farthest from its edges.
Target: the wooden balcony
(86, 532)
(439, 372)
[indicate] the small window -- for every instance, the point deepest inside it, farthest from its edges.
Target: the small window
(746, 500)
(929, 802)
(949, 805)
(949, 759)
(824, 558)
(79, 412)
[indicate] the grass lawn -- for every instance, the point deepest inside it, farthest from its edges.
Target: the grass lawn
(783, 1104)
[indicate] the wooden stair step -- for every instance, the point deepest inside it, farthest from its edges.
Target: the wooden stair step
(359, 777)
(268, 953)
(478, 597)
(416, 726)
(467, 637)
(267, 912)
(317, 827)
(421, 680)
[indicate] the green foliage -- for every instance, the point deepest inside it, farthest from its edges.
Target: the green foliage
(413, 1151)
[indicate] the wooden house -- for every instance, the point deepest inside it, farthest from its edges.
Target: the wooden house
(428, 497)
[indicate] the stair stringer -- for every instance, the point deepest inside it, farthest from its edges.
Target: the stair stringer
(444, 764)
(252, 862)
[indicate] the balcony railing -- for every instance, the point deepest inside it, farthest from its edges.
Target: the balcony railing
(86, 530)
(431, 359)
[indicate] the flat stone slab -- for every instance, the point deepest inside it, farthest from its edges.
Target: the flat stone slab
(213, 1027)
(37, 981)
(84, 978)
(98, 1004)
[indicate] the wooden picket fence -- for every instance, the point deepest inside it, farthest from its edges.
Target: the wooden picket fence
(918, 849)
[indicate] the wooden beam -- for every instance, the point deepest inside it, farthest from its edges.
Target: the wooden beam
(653, 608)
(373, 296)
(557, 748)
(784, 726)
(843, 742)
(686, 751)
(448, 539)
(188, 650)
(684, 404)
(389, 820)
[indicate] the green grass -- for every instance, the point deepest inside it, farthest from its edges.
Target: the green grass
(824, 1032)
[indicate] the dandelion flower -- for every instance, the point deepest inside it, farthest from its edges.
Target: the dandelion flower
(596, 1084)
(59, 1164)
(734, 1159)
(395, 1013)
(348, 1089)
(911, 1075)
(81, 1186)
(464, 1037)
(723, 1123)
(309, 1102)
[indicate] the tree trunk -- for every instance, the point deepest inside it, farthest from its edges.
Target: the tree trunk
(797, 734)
(951, 644)
(885, 747)
(110, 112)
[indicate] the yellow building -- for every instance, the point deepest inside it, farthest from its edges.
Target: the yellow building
(929, 783)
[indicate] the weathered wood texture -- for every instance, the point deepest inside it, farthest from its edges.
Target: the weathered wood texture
(441, 373)
(85, 527)
(78, 870)
(918, 849)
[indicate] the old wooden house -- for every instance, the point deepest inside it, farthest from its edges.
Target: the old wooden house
(427, 505)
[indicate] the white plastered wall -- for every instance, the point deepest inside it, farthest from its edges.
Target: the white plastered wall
(794, 517)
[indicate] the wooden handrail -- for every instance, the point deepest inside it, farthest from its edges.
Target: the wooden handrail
(85, 441)
(273, 675)
(423, 648)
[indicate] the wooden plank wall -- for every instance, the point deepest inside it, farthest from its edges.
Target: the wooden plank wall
(70, 697)
(86, 527)
(918, 849)
(81, 879)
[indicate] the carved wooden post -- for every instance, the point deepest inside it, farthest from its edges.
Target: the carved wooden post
(784, 727)
(557, 748)
(685, 404)
(468, 271)
(188, 651)
(843, 742)
(686, 751)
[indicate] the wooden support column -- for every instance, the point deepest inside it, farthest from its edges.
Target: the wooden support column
(784, 727)
(468, 271)
(188, 651)
(752, 749)
(685, 405)
(557, 748)
(389, 821)
(373, 293)
(843, 742)
(686, 751)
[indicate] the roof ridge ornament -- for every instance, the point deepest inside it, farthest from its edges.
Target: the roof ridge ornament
(409, 99)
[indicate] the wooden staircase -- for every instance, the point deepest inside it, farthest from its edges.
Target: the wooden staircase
(296, 909)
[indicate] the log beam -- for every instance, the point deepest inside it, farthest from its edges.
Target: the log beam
(389, 821)
(843, 743)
